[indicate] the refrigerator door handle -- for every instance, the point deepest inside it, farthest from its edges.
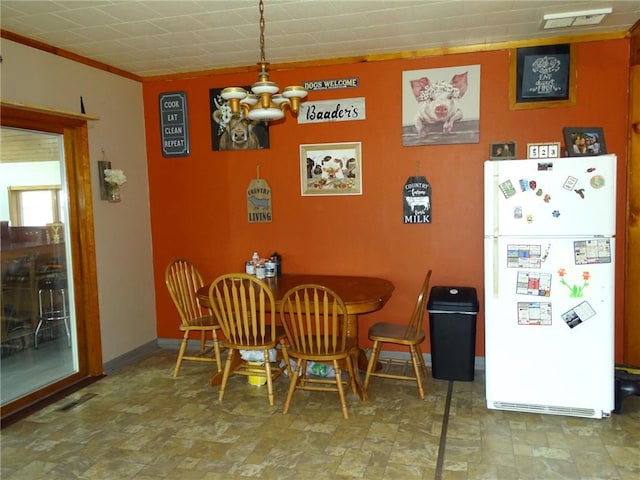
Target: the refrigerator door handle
(496, 267)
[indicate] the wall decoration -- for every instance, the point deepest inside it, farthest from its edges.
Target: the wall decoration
(441, 106)
(502, 150)
(416, 201)
(584, 141)
(331, 169)
(543, 150)
(351, 82)
(339, 110)
(234, 132)
(541, 77)
(174, 124)
(104, 188)
(259, 200)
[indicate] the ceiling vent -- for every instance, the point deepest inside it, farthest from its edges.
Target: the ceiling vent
(575, 19)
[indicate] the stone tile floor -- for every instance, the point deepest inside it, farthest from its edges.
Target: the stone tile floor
(141, 423)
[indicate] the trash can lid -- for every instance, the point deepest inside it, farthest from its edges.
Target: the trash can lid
(453, 299)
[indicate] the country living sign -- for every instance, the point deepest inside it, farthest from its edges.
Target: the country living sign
(174, 126)
(331, 84)
(339, 110)
(259, 201)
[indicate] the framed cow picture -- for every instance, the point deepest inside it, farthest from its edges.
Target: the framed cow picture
(234, 132)
(331, 169)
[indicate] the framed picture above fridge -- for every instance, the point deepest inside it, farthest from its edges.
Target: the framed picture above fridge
(584, 141)
(542, 77)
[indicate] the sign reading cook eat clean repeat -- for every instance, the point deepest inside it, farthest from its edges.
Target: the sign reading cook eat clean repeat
(174, 124)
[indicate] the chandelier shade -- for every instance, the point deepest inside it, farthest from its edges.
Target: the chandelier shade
(264, 103)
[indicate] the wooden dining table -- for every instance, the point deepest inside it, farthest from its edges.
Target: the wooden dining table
(360, 294)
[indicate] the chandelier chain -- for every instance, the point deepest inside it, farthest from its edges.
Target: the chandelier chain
(262, 56)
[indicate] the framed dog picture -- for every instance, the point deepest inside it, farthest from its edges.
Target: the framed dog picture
(584, 141)
(441, 106)
(331, 169)
(502, 151)
(234, 132)
(541, 77)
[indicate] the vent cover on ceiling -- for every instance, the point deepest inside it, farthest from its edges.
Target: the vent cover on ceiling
(575, 19)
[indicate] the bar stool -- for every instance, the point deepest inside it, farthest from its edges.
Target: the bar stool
(52, 304)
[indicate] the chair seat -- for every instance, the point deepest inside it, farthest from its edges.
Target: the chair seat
(206, 321)
(391, 332)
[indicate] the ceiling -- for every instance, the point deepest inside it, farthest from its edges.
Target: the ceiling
(153, 38)
(28, 146)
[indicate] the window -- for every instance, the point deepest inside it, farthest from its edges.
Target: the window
(34, 205)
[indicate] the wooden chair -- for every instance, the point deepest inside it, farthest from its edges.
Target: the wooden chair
(314, 318)
(245, 309)
(183, 280)
(409, 335)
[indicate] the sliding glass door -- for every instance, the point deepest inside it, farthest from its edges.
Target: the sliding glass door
(38, 321)
(50, 332)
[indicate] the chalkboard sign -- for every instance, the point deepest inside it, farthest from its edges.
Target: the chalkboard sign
(542, 76)
(416, 200)
(174, 124)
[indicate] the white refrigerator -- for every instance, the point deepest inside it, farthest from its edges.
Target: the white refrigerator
(549, 243)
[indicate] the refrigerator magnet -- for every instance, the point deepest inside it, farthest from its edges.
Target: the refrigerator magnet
(578, 314)
(507, 189)
(569, 183)
(597, 181)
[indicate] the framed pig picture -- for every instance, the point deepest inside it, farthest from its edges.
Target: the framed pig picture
(541, 77)
(441, 106)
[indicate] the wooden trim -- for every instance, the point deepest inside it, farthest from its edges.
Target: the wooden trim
(632, 269)
(82, 238)
(43, 111)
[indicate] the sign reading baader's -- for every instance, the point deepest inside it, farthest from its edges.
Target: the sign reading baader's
(340, 110)
(174, 126)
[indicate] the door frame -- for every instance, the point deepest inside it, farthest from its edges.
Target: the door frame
(73, 128)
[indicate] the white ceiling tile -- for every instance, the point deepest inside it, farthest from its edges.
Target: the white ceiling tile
(159, 37)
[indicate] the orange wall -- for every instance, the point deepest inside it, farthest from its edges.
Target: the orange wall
(198, 203)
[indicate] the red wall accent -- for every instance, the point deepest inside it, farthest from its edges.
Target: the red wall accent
(198, 203)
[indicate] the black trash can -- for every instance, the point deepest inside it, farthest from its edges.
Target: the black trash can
(453, 312)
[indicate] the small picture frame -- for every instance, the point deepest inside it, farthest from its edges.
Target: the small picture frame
(331, 169)
(584, 141)
(542, 77)
(102, 166)
(543, 150)
(502, 150)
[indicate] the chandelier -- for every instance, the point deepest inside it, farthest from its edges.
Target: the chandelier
(264, 103)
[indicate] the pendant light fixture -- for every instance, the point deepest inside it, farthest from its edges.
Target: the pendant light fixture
(264, 103)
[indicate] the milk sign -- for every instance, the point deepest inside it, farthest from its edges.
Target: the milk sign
(174, 126)
(416, 200)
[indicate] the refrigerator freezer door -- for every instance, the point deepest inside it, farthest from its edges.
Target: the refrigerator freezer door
(557, 197)
(549, 325)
